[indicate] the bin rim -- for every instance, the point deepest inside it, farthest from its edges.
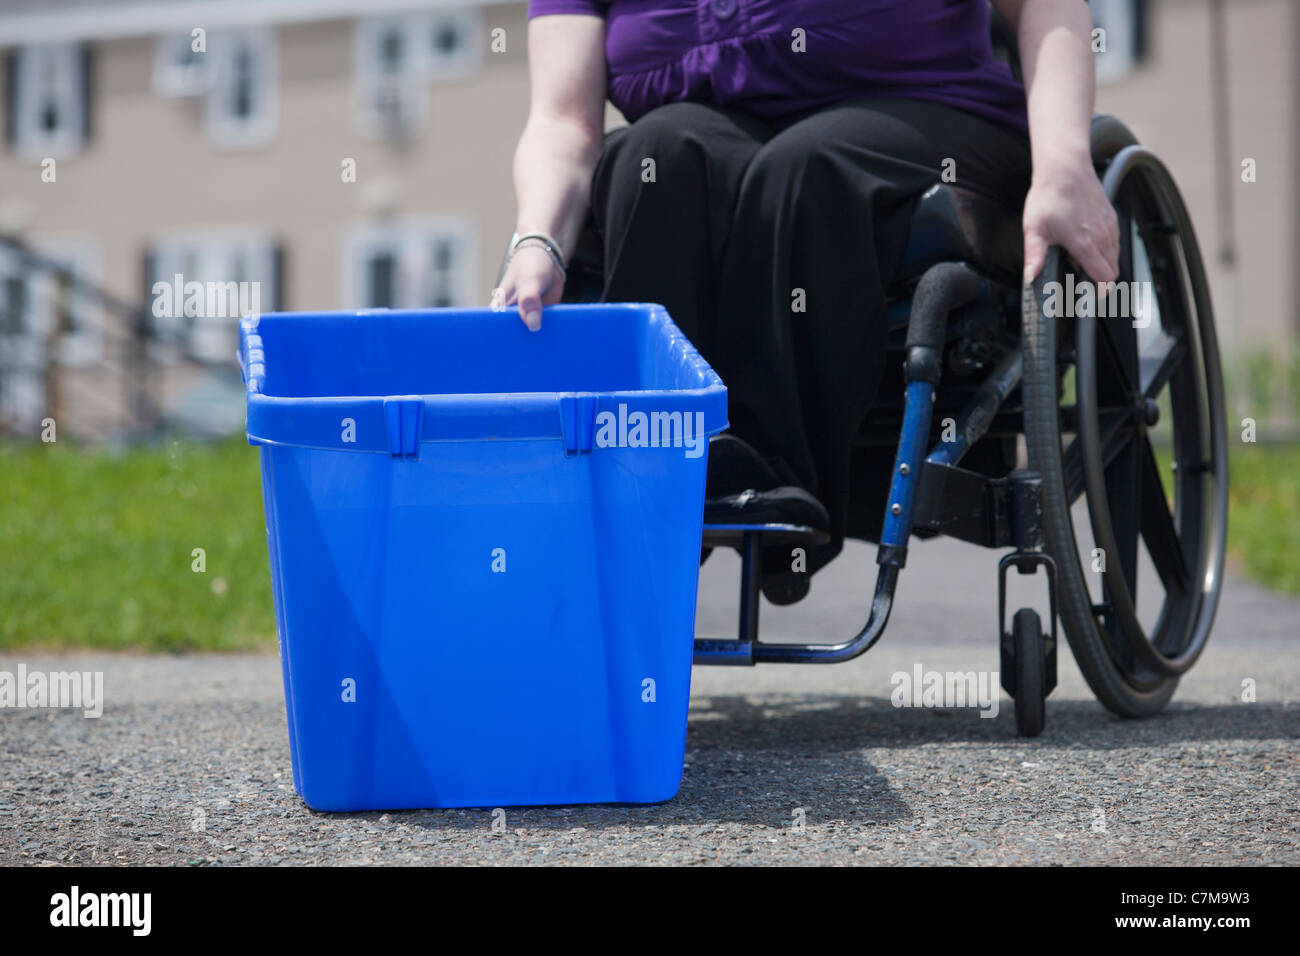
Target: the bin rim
(398, 424)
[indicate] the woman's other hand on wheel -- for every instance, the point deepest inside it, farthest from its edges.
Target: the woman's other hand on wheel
(531, 281)
(1066, 206)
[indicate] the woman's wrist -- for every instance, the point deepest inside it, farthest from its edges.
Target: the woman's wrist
(544, 242)
(538, 237)
(1061, 160)
(557, 228)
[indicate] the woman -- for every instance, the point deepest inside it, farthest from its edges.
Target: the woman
(763, 189)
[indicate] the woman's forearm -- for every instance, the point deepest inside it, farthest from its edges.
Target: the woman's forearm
(562, 138)
(552, 172)
(1056, 59)
(1065, 204)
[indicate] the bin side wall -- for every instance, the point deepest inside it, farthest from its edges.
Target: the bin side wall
(492, 624)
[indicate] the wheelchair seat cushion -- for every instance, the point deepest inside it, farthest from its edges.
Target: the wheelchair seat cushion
(952, 224)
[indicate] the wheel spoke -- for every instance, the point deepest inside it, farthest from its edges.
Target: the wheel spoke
(1072, 471)
(1116, 432)
(1159, 364)
(1125, 497)
(1158, 530)
(1117, 364)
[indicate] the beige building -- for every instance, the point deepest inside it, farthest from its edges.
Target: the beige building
(321, 154)
(1245, 196)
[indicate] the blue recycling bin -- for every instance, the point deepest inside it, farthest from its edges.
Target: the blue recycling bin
(484, 549)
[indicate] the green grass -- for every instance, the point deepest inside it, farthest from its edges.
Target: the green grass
(1264, 513)
(96, 546)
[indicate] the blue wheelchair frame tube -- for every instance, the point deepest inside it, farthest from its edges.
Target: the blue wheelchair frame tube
(917, 412)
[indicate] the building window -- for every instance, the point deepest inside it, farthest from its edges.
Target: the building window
(48, 100)
(14, 320)
(179, 69)
(397, 57)
(379, 291)
(455, 43)
(242, 101)
(410, 267)
(199, 289)
(389, 86)
(442, 275)
(1123, 23)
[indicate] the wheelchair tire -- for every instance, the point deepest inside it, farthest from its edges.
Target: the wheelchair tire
(1132, 670)
(1030, 661)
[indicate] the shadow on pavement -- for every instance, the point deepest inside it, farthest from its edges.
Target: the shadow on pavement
(821, 724)
(756, 761)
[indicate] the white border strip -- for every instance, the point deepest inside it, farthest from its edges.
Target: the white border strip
(110, 20)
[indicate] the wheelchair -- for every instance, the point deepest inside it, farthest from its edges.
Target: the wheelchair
(1038, 431)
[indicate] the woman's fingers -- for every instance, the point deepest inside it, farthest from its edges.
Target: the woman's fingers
(531, 281)
(530, 302)
(1094, 246)
(1112, 242)
(1035, 253)
(1067, 206)
(503, 294)
(1098, 252)
(1096, 263)
(1096, 256)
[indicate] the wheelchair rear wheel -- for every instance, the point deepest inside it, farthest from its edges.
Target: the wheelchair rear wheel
(1147, 387)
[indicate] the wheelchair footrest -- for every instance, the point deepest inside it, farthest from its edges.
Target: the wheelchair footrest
(733, 535)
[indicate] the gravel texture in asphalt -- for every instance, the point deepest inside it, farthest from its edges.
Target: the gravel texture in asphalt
(189, 763)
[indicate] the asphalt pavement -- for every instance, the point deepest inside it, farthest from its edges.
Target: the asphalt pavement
(189, 763)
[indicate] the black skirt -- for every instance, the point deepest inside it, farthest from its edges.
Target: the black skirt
(773, 250)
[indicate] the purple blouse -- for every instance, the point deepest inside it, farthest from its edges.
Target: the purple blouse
(783, 59)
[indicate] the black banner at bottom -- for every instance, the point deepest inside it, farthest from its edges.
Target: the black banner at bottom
(218, 905)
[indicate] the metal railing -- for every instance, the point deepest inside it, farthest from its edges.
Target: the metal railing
(38, 376)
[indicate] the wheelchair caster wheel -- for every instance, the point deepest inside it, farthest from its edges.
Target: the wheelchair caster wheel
(1025, 671)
